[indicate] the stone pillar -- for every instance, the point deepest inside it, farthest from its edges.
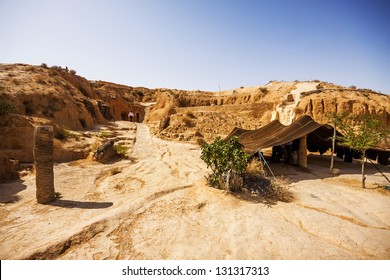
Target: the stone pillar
(302, 153)
(43, 157)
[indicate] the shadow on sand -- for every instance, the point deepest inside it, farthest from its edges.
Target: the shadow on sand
(318, 168)
(80, 204)
(268, 199)
(254, 198)
(10, 189)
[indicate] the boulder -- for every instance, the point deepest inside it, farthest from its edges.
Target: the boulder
(106, 152)
(8, 168)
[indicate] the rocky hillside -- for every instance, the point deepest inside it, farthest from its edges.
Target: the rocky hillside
(71, 101)
(56, 96)
(202, 116)
(59, 97)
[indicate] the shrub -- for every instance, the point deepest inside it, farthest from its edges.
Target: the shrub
(104, 134)
(200, 141)
(255, 168)
(360, 133)
(256, 181)
(269, 188)
(279, 189)
(73, 72)
(6, 106)
(164, 123)
(44, 65)
(190, 115)
(61, 133)
(188, 122)
(121, 150)
(264, 89)
(223, 157)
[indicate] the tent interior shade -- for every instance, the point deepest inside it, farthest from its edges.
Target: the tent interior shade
(275, 133)
(318, 137)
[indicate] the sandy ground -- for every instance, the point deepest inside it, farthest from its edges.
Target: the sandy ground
(156, 205)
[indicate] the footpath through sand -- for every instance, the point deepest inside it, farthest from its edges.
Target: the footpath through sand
(156, 205)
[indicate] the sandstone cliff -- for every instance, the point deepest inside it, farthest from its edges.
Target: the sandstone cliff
(58, 97)
(202, 116)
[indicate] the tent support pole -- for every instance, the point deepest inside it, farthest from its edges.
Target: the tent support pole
(265, 162)
(379, 170)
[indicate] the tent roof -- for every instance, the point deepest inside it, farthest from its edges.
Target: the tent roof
(275, 133)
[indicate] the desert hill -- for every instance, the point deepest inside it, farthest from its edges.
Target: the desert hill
(204, 116)
(59, 97)
(155, 203)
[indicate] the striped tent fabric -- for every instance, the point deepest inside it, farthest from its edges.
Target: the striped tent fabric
(274, 133)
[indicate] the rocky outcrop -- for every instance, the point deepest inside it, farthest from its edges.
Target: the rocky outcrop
(106, 152)
(58, 97)
(8, 168)
(322, 104)
(16, 137)
(65, 98)
(198, 116)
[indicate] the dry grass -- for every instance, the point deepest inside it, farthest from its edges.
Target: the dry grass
(236, 182)
(264, 90)
(255, 168)
(279, 189)
(188, 122)
(121, 150)
(200, 141)
(40, 79)
(61, 133)
(276, 189)
(165, 122)
(190, 115)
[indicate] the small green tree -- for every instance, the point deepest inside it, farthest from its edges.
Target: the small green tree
(224, 156)
(360, 133)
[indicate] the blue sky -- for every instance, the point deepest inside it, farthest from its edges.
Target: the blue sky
(188, 44)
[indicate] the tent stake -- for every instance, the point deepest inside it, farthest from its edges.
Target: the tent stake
(265, 162)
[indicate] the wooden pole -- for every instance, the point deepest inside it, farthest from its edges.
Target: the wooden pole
(333, 148)
(303, 151)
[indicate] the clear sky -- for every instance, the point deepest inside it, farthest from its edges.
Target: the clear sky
(203, 44)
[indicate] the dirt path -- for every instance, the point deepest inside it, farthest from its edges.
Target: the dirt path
(156, 205)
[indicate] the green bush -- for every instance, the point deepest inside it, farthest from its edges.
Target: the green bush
(104, 134)
(121, 150)
(360, 133)
(223, 156)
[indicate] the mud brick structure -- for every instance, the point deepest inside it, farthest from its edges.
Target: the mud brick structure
(43, 158)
